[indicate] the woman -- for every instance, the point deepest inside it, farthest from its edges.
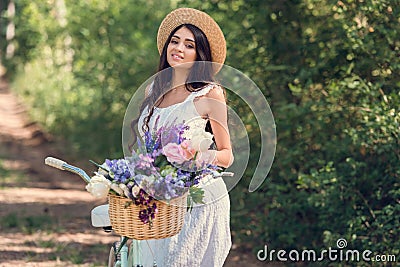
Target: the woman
(184, 91)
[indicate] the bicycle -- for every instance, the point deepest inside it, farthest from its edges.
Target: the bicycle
(121, 253)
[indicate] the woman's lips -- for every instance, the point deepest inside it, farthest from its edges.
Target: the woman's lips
(176, 57)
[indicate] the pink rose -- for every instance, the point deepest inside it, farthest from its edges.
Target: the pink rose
(174, 153)
(187, 149)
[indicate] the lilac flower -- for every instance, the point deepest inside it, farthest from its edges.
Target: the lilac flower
(174, 134)
(119, 170)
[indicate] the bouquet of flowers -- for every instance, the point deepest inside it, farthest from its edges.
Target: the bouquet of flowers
(169, 164)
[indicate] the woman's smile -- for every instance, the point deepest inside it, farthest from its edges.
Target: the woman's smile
(177, 57)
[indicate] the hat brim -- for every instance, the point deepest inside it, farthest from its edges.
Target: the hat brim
(202, 21)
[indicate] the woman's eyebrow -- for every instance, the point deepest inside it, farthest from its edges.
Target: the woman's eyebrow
(187, 39)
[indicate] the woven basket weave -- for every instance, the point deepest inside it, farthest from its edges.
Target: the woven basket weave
(124, 217)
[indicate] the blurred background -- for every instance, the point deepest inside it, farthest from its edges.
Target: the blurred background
(330, 71)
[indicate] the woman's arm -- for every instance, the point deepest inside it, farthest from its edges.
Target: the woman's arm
(216, 110)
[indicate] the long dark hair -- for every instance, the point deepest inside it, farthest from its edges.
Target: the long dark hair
(200, 75)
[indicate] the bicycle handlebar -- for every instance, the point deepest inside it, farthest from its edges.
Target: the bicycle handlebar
(220, 174)
(62, 165)
(55, 163)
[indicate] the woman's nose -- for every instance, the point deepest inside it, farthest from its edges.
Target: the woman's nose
(179, 47)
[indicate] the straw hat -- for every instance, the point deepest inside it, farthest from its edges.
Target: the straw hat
(202, 21)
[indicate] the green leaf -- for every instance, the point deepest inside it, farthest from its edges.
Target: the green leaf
(196, 195)
(99, 166)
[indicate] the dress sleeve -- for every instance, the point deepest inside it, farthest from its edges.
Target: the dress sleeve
(205, 90)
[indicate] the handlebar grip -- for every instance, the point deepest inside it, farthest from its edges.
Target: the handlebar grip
(55, 163)
(220, 174)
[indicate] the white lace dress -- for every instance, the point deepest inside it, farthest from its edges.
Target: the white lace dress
(205, 239)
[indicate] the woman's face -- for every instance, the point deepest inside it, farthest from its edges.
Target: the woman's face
(182, 48)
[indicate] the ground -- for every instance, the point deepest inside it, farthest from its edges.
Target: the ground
(45, 212)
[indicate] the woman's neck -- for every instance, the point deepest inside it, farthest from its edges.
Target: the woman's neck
(179, 77)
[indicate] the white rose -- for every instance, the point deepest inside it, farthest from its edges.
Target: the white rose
(193, 125)
(117, 189)
(135, 190)
(201, 140)
(101, 171)
(124, 189)
(98, 186)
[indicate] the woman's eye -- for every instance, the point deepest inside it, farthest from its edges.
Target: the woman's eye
(174, 42)
(190, 46)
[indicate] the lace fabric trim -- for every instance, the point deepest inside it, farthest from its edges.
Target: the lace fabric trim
(202, 92)
(195, 94)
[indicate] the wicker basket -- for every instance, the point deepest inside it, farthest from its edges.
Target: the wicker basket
(125, 220)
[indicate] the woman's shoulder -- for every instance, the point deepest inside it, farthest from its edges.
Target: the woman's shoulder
(216, 92)
(211, 90)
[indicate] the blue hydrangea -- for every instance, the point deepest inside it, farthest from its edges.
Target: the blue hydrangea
(119, 170)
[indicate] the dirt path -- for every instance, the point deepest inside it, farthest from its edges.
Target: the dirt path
(44, 212)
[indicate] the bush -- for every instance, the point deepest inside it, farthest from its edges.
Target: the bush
(329, 70)
(79, 65)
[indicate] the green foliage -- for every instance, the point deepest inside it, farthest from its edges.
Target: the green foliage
(329, 70)
(87, 61)
(10, 176)
(68, 253)
(28, 224)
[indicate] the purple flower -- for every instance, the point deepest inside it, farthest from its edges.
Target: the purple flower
(119, 170)
(156, 139)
